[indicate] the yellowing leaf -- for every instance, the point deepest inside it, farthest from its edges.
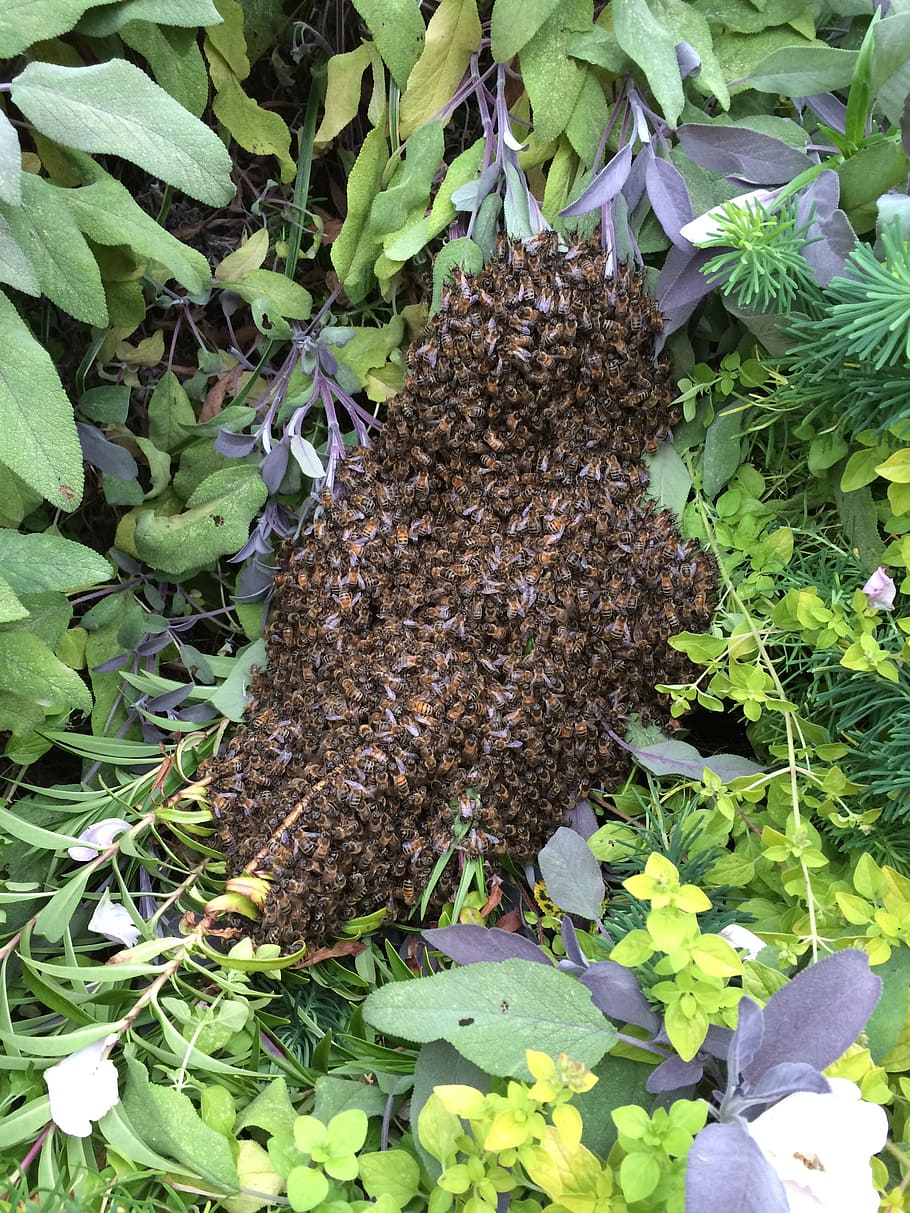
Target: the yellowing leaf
(257, 130)
(256, 1173)
(452, 37)
(228, 38)
(342, 96)
(250, 256)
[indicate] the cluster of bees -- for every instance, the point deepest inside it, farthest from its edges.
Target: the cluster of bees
(457, 635)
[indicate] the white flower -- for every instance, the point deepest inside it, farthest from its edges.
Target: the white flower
(820, 1146)
(880, 590)
(83, 1087)
(706, 227)
(743, 939)
(98, 837)
(113, 921)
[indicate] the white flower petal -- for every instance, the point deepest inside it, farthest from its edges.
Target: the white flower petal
(880, 590)
(743, 939)
(820, 1146)
(706, 227)
(113, 921)
(82, 1087)
(98, 838)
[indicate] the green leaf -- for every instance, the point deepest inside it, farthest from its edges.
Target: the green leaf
(393, 1173)
(34, 563)
(114, 108)
(800, 71)
(887, 1021)
(405, 243)
(25, 22)
(166, 12)
(175, 59)
(515, 22)
(599, 46)
(554, 81)
(169, 410)
(354, 251)
(492, 1013)
(271, 1110)
(15, 268)
(28, 667)
(410, 187)
(452, 36)
(398, 31)
(11, 608)
(687, 24)
(107, 214)
(891, 64)
(10, 163)
(639, 1175)
(462, 252)
(859, 517)
(653, 47)
(215, 523)
(55, 917)
(257, 130)
(38, 439)
(670, 479)
(276, 293)
(49, 236)
(722, 451)
(896, 467)
(166, 1121)
(23, 1124)
(589, 118)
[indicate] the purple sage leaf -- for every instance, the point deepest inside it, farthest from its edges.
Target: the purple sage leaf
(235, 446)
(274, 466)
(616, 991)
(725, 1169)
(786, 1078)
(818, 1014)
(468, 944)
(746, 1041)
(736, 151)
(101, 453)
(681, 285)
(830, 238)
(831, 110)
(572, 874)
(605, 186)
(669, 199)
(688, 59)
(674, 1073)
(634, 188)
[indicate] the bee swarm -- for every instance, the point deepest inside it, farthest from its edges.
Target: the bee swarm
(453, 641)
